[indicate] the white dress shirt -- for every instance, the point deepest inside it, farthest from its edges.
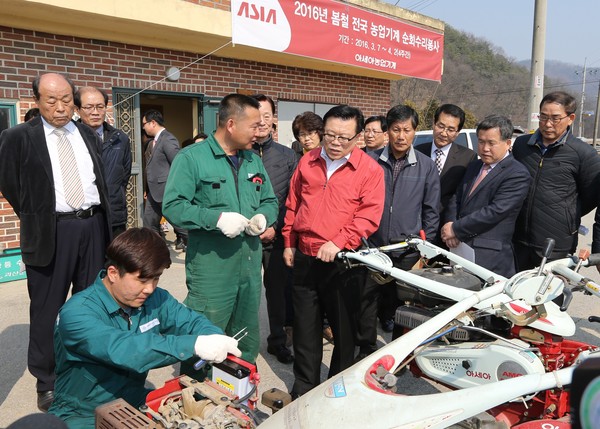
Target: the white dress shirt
(84, 165)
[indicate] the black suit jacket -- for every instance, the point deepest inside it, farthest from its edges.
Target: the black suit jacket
(485, 219)
(27, 183)
(452, 173)
(158, 163)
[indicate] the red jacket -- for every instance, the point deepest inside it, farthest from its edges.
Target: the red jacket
(342, 209)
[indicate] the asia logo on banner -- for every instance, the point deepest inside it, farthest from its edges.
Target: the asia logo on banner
(333, 31)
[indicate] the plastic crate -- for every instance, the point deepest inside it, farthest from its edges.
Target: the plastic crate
(118, 414)
(11, 265)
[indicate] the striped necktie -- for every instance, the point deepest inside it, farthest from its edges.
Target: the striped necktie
(72, 186)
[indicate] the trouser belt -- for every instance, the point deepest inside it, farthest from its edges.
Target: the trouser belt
(79, 214)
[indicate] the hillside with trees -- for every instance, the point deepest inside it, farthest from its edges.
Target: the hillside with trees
(478, 76)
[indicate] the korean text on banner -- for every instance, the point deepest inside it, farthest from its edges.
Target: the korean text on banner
(337, 32)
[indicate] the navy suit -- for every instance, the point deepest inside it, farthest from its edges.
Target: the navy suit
(485, 219)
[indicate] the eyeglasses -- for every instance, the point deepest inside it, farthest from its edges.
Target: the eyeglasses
(553, 119)
(343, 140)
(442, 128)
(310, 134)
(375, 132)
(98, 107)
(145, 123)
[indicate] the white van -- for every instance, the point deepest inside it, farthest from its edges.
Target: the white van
(467, 137)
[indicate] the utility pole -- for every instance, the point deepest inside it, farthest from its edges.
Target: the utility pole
(582, 99)
(596, 117)
(536, 89)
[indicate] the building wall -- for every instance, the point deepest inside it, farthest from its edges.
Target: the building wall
(25, 54)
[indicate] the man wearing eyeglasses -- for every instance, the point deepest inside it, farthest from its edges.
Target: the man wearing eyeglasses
(483, 211)
(450, 159)
(375, 133)
(114, 147)
(566, 179)
(336, 197)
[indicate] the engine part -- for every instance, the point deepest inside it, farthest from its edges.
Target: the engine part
(470, 364)
(187, 403)
(409, 317)
(275, 399)
(119, 414)
(453, 276)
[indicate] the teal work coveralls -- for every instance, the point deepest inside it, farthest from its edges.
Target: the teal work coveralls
(223, 274)
(100, 356)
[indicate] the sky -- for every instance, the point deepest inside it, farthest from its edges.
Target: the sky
(571, 29)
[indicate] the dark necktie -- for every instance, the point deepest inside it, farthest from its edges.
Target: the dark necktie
(439, 153)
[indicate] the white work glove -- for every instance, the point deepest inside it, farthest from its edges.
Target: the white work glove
(214, 348)
(232, 224)
(257, 225)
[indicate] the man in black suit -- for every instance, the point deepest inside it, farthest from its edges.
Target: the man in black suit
(483, 211)
(450, 159)
(51, 174)
(159, 155)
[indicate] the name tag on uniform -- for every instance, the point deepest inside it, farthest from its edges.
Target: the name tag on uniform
(147, 326)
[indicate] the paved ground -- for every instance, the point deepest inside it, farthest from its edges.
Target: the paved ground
(17, 386)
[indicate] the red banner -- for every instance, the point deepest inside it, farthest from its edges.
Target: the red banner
(338, 32)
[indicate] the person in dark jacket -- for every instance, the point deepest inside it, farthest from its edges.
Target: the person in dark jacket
(91, 104)
(412, 199)
(280, 163)
(566, 179)
(451, 159)
(62, 204)
(483, 211)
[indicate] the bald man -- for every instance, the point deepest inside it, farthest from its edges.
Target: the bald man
(51, 174)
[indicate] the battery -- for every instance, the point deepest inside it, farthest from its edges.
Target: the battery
(237, 376)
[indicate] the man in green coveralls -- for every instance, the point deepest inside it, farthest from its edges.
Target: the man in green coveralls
(220, 192)
(109, 336)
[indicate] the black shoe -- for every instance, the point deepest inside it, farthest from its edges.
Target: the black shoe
(44, 400)
(180, 245)
(387, 325)
(284, 355)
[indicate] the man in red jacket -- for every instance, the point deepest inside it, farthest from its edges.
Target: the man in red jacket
(336, 197)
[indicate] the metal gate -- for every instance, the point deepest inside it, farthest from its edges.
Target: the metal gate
(126, 110)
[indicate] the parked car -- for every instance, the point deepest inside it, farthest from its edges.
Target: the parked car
(467, 137)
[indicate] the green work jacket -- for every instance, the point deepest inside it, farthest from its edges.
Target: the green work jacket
(202, 184)
(100, 356)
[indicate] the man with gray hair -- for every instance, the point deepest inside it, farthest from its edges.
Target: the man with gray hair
(52, 176)
(91, 104)
(483, 211)
(566, 178)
